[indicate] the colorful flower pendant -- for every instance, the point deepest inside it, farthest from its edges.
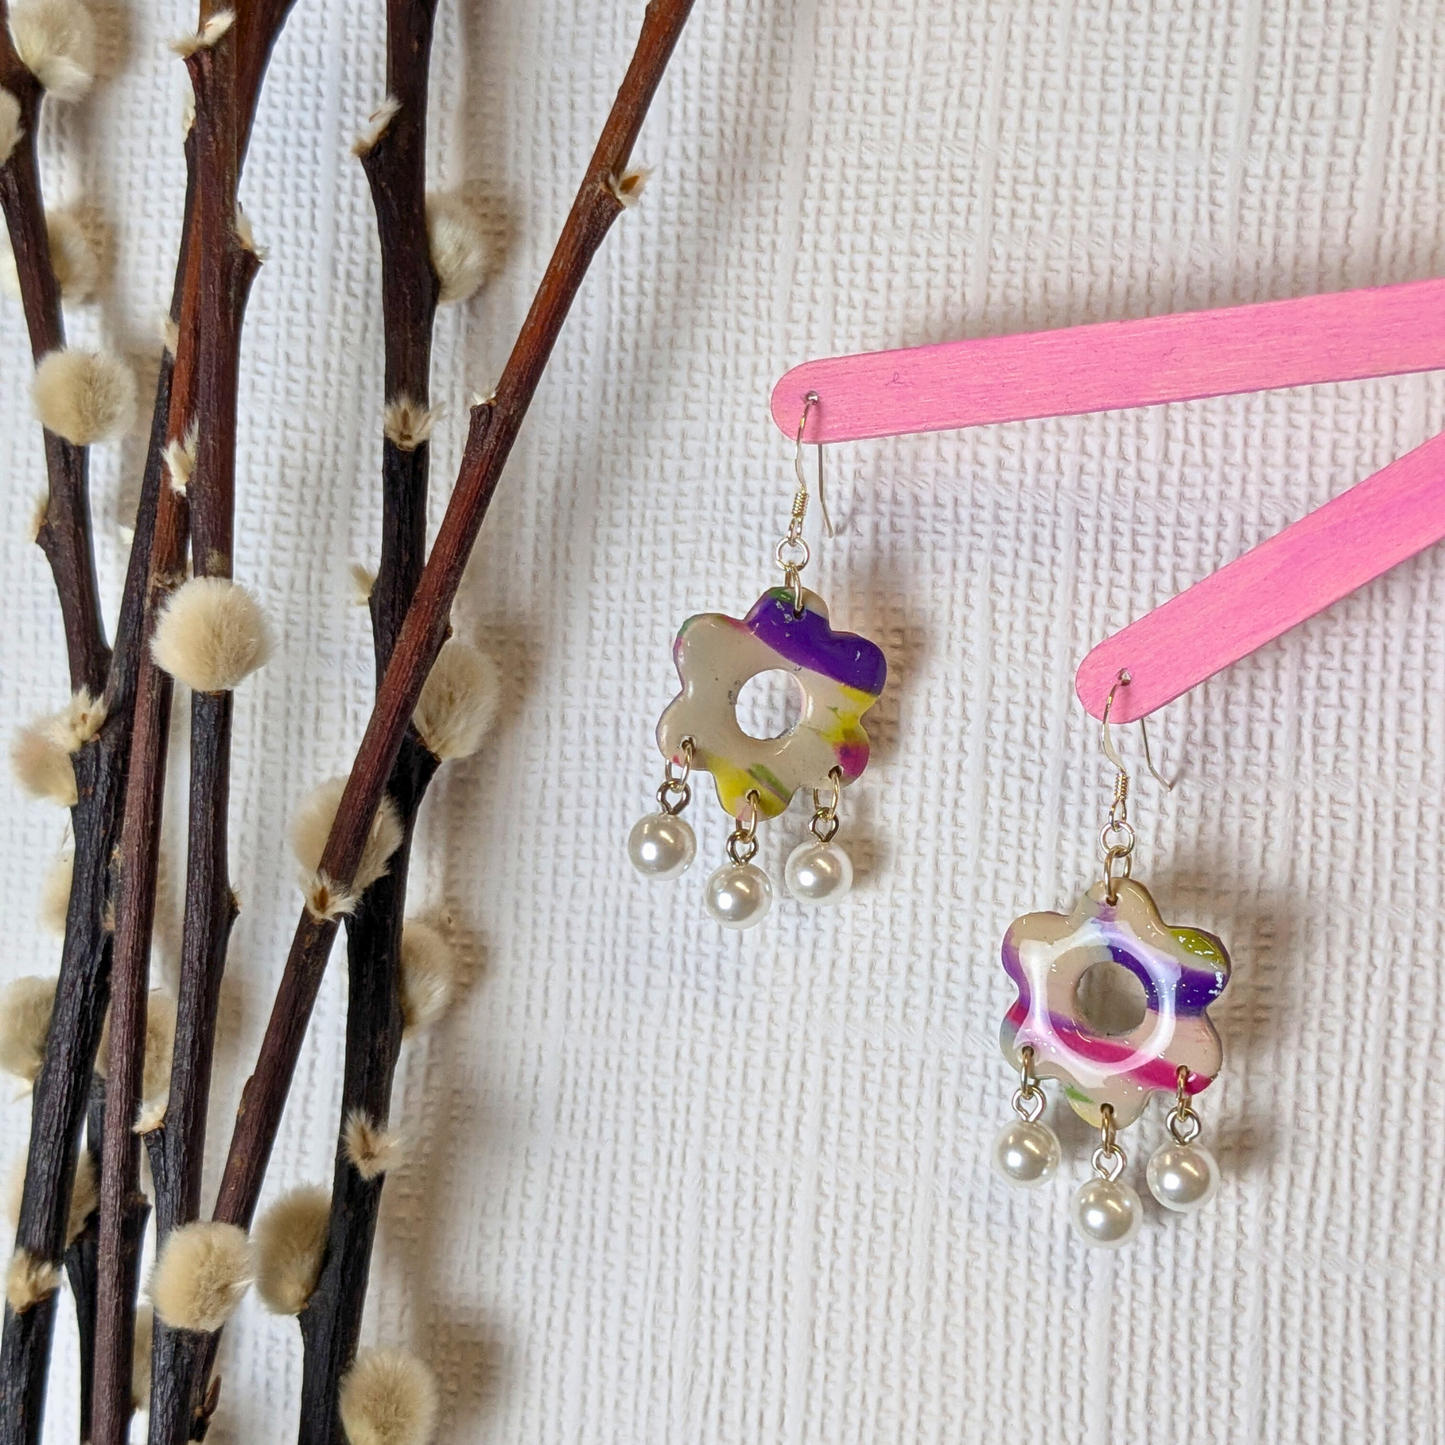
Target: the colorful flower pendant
(840, 675)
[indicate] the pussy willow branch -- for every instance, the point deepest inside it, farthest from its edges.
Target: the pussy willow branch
(65, 531)
(177, 1148)
(395, 168)
(161, 557)
(494, 428)
(81, 1266)
(63, 1087)
(331, 1321)
(123, 1209)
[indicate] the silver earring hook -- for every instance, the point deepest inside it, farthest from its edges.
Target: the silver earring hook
(1106, 740)
(810, 400)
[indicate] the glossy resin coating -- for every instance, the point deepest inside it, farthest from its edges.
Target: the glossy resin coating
(841, 676)
(1183, 971)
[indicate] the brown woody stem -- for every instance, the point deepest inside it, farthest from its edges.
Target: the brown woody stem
(157, 565)
(62, 1088)
(65, 1080)
(494, 428)
(227, 269)
(331, 1321)
(395, 168)
(64, 533)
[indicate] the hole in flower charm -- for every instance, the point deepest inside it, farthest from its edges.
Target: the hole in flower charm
(1182, 971)
(840, 676)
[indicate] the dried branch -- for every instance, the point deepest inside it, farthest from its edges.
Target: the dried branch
(395, 167)
(64, 534)
(66, 1082)
(202, 378)
(331, 1321)
(226, 273)
(493, 430)
(228, 267)
(123, 1208)
(62, 1088)
(64, 1085)
(81, 1264)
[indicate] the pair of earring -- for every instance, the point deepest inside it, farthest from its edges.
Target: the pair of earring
(839, 675)
(1109, 1076)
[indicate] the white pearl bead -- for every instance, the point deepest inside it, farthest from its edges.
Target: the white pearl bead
(738, 895)
(1026, 1154)
(818, 873)
(1105, 1213)
(661, 845)
(1183, 1177)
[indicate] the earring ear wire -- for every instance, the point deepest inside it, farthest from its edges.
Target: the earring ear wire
(810, 400)
(1106, 741)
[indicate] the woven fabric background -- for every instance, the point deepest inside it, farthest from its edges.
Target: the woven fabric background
(667, 1185)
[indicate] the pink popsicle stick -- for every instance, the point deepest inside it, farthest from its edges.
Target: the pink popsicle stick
(1378, 331)
(1349, 541)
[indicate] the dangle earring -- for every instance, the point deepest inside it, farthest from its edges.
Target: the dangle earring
(1055, 960)
(839, 675)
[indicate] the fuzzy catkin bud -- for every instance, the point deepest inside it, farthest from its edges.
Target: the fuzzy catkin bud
(54, 907)
(84, 396)
(84, 1194)
(462, 248)
(41, 766)
(25, 1008)
(408, 424)
(376, 126)
(628, 187)
(155, 1083)
(388, 1397)
(209, 33)
(429, 975)
(458, 702)
(180, 459)
(203, 1271)
(72, 257)
(212, 635)
(371, 1148)
(363, 579)
(29, 1280)
(312, 827)
(55, 40)
(290, 1246)
(77, 722)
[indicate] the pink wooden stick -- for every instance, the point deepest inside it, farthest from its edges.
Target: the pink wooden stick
(1379, 331)
(1298, 572)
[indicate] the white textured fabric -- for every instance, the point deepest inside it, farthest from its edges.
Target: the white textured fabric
(665, 1185)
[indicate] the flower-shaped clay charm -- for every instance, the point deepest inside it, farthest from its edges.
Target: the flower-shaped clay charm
(841, 676)
(1183, 971)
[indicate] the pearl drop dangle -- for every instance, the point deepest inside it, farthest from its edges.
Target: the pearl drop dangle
(820, 872)
(663, 845)
(1183, 1175)
(1105, 1211)
(1026, 1152)
(740, 894)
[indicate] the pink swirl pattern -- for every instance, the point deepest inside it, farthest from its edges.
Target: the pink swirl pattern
(1182, 970)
